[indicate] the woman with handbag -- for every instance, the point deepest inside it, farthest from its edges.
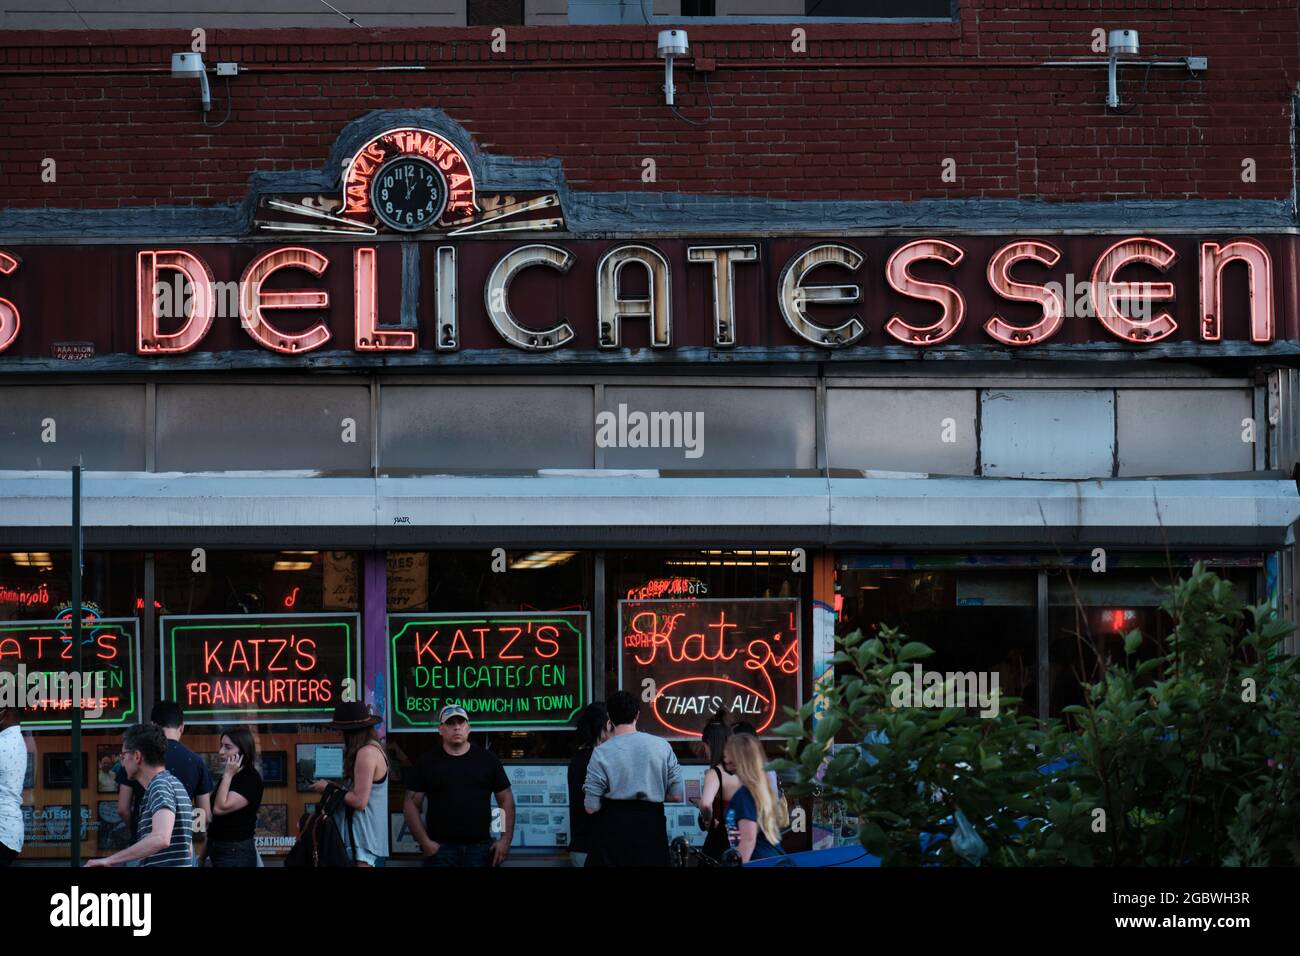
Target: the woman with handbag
(364, 823)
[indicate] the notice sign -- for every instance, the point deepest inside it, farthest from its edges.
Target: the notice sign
(41, 654)
(264, 668)
(690, 659)
(511, 671)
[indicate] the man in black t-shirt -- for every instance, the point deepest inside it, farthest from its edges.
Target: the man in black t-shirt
(459, 777)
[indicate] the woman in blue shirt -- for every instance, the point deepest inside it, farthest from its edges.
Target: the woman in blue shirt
(755, 815)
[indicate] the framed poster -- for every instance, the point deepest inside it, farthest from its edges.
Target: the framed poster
(112, 834)
(541, 805)
(401, 839)
(275, 767)
(106, 763)
(109, 682)
(58, 770)
(509, 670)
(736, 656)
(259, 668)
(51, 825)
(683, 815)
(317, 762)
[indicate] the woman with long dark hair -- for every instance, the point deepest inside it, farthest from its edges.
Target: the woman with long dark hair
(720, 785)
(365, 773)
(594, 729)
(235, 802)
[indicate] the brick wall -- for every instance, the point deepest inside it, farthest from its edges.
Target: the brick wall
(868, 112)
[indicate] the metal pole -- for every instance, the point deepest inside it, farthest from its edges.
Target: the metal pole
(74, 828)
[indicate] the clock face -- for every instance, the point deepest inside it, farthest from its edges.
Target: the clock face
(408, 193)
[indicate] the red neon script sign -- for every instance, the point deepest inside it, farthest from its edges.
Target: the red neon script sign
(696, 658)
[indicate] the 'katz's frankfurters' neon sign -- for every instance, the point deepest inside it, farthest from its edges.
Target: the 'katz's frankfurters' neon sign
(261, 667)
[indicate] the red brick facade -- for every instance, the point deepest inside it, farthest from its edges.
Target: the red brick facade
(868, 112)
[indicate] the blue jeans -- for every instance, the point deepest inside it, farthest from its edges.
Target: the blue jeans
(461, 854)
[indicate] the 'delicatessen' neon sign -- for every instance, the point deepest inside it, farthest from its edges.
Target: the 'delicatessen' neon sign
(508, 670)
(927, 292)
(694, 659)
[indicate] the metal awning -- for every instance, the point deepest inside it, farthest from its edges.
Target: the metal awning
(639, 509)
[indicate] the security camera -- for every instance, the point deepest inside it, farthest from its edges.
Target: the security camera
(671, 43)
(1118, 43)
(190, 65)
(1122, 43)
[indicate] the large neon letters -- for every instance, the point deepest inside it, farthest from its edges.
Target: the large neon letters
(10, 320)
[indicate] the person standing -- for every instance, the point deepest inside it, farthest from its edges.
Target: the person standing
(235, 802)
(720, 785)
(594, 729)
(458, 777)
(166, 814)
(181, 762)
(365, 773)
(755, 815)
(13, 771)
(628, 778)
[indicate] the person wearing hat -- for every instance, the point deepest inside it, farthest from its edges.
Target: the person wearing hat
(365, 774)
(459, 778)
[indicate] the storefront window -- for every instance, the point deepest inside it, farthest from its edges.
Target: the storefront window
(976, 621)
(35, 587)
(1089, 616)
(289, 585)
(524, 619)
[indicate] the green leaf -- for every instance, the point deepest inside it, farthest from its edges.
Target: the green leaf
(913, 651)
(1132, 641)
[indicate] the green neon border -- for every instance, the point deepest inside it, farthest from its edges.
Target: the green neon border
(457, 619)
(64, 630)
(312, 711)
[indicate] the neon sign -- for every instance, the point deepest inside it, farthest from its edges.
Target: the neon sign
(997, 291)
(668, 587)
(508, 670)
(739, 657)
(109, 646)
(365, 163)
(268, 668)
(22, 597)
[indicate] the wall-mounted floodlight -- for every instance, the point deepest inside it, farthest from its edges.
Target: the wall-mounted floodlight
(671, 43)
(1119, 43)
(191, 64)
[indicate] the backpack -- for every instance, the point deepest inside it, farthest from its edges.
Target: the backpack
(320, 843)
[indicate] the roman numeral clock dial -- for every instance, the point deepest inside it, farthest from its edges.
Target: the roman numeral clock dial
(409, 193)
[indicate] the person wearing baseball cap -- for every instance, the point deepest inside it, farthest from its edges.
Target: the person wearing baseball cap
(459, 778)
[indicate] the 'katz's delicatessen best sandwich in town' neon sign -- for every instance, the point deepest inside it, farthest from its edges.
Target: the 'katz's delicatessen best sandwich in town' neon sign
(414, 302)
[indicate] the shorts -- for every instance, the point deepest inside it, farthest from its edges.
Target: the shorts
(363, 855)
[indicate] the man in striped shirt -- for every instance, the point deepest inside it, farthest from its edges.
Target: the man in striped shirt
(166, 814)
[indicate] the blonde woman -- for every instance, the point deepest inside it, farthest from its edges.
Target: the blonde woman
(755, 817)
